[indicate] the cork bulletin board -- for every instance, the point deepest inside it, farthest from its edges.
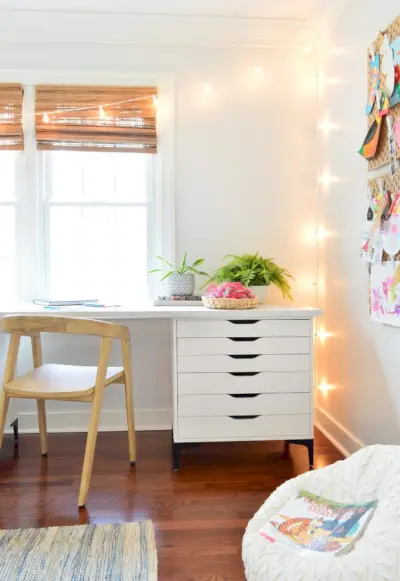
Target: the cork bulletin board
(381, 157)
(380, 246)
(384, 288)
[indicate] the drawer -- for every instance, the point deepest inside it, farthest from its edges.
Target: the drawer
(243, 345)
(244, 328)
(243, 405)
(242, 363)
(262, 427)
(253, 382)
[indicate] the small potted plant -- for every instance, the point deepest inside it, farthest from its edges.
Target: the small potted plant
(180, 279)
(255, 272)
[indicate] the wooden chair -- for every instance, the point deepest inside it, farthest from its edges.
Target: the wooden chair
(67, 382)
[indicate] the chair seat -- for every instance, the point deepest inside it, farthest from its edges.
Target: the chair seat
(53, 381)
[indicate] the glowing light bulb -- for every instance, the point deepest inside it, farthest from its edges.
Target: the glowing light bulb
(306, 49)
(207, 88)
(324, 387)
(321, 234)
(326, 179)
(327, 126)
(101, 112)
(322, 334)
(259, 71)
(46, 118)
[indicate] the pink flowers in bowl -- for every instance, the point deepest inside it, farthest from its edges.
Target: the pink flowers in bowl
(229, 290)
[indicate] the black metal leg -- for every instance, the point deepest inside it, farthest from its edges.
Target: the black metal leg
(16, 433)
(176, 448)
(286, 450)
(310, 447)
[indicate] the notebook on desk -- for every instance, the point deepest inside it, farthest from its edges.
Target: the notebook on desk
(63, 303)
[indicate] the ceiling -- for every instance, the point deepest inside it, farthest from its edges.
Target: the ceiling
(282, 9)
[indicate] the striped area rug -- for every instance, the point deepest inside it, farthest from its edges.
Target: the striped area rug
(117, 552)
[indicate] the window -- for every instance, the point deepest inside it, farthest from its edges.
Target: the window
(96, 214)
(8, 209)
(82, 221)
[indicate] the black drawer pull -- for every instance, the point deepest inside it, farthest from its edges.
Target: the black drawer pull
(241, 339)
(244, 373)
(243, 395)
(243, 356)
(244, 417)
(244, 322)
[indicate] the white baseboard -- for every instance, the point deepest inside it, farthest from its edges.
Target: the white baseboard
(346, 442)
(110, 421)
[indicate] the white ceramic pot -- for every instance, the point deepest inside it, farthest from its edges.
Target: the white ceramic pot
(261, 292)
(180, 284)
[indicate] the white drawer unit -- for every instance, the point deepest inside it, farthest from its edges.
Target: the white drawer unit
(243, 382)
(239, 379)
(244, 405)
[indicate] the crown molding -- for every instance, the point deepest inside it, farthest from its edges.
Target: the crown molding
(50, 26)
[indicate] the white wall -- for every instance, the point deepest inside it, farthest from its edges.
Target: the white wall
(244, 180)
(361, 361)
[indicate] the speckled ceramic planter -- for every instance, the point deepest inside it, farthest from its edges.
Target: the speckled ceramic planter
(180, 284)
(261, 292)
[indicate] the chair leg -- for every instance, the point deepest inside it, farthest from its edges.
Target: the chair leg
(4, 401)
(90, 448)
(126, 356)
(41, 408)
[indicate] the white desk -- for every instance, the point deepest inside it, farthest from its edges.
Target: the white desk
(240, 375)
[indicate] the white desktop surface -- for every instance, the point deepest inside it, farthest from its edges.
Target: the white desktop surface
(148, 311)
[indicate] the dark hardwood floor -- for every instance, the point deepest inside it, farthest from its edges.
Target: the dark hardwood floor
(199, 513)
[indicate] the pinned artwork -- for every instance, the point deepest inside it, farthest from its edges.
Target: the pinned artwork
(395, 96)
(374, 80)
(383, 103)
(391, 231)
(385, 93)
(385, 292)
(370, 143)
(396, 131)
(371, 246)
(387, 65)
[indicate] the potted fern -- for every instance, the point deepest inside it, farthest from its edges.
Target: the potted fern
(256, 272)
(180, 279)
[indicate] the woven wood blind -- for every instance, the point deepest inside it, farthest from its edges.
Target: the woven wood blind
(11, 130)
(75, 120)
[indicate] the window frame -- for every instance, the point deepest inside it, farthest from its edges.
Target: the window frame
(31, 255)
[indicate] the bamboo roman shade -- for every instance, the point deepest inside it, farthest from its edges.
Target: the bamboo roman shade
(11, 129)
(92, 118)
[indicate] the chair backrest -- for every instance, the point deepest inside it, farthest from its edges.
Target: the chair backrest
(33, 325)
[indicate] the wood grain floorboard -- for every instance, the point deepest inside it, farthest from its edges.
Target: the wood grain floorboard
(199, 513)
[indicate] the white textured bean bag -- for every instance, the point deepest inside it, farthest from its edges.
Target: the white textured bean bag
(371, 473)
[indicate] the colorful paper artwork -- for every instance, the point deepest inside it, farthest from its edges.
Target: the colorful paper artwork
(370, 143)
(395, 97)
(396, 131)
(387, 65)
(385, 292)
(371, 246)
(374, 81)
(390, 234)
(383, 103)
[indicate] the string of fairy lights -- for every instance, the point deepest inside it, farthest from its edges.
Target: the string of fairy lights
(101, 109)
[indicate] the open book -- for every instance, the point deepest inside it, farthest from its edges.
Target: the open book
(310, 522)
